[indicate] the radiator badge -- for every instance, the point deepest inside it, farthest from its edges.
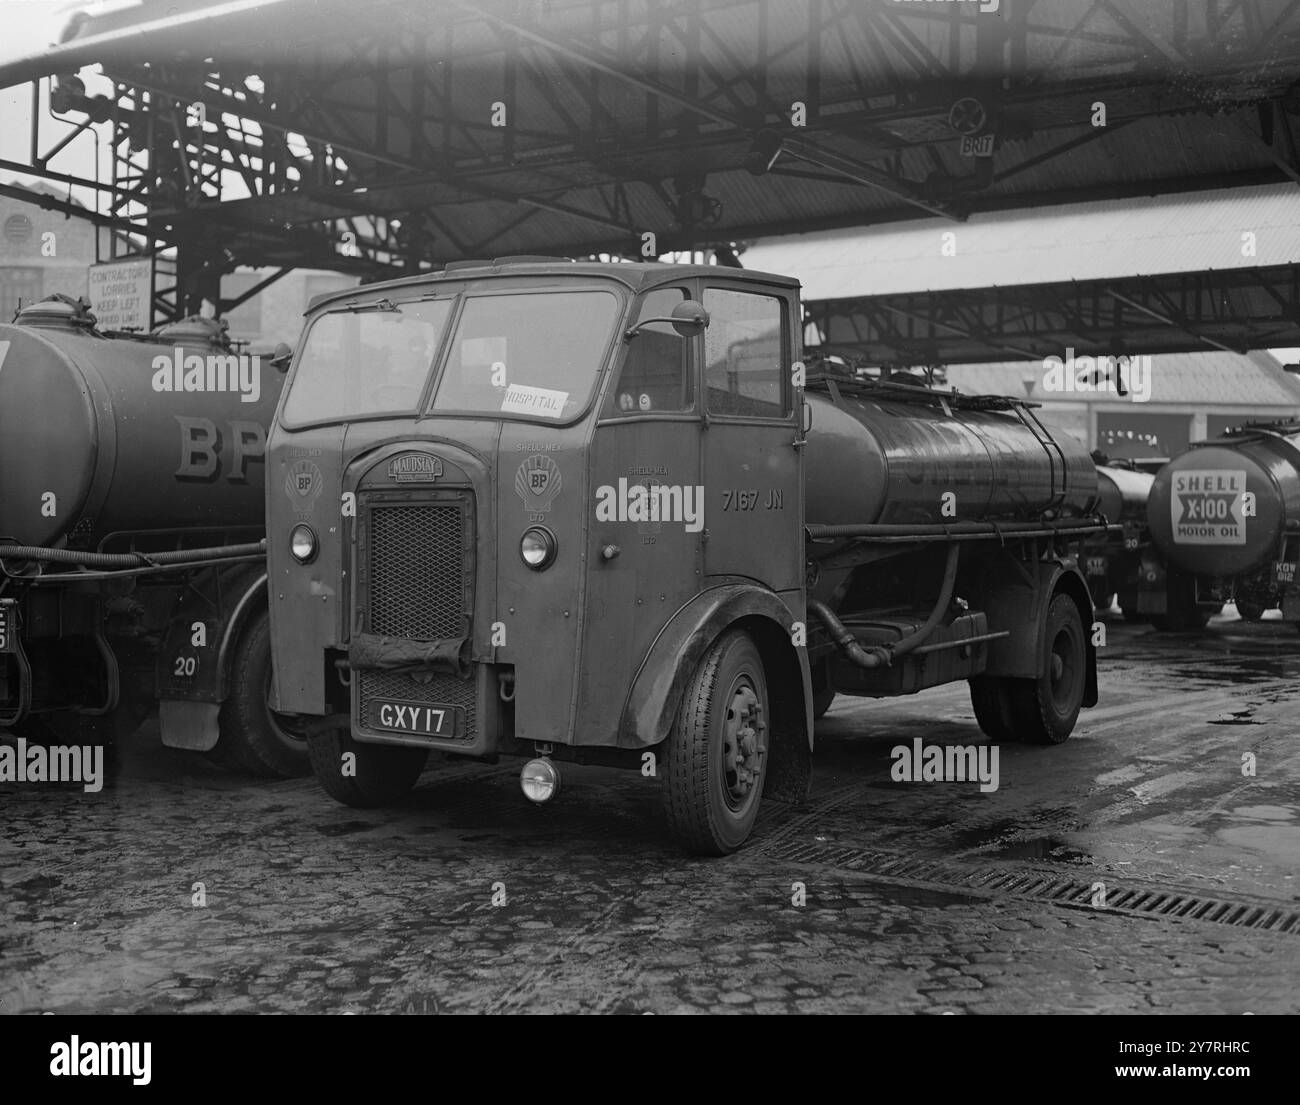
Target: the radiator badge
(414, 468)
(538, 483)
(303, 484)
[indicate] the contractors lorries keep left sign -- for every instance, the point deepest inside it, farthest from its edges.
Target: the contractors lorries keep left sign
(1206, 507)
(121, 293)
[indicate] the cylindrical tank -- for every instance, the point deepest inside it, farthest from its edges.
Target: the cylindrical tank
(880, 460)
(103, 435)
(1123, 493)
(1197, 511)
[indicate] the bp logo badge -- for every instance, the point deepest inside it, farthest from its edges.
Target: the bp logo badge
(538, 483)
(303, 484)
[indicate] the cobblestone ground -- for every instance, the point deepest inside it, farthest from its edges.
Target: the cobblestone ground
(466, 899)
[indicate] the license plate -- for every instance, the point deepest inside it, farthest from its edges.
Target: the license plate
(1095, 566)
(8, 626)
(1284, 571)
(419, 718)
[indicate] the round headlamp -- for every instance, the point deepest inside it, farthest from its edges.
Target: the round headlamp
(302, 543)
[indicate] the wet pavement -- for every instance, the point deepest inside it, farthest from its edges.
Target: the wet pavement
(1133, 869)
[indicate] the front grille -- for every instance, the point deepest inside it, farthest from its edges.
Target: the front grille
(434, 689)
(419, 577)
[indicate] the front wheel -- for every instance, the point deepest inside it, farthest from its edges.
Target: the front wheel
(715, 756)
(1250, 611)
(1044, 710)
(363, 775)
(254, 738)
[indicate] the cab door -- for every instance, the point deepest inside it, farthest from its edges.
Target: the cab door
(641, 570)
(752, 468)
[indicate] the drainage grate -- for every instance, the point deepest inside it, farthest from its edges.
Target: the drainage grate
(1142, 901)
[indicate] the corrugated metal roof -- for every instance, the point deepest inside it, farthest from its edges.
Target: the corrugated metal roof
(1090, 241)
(1211, 379)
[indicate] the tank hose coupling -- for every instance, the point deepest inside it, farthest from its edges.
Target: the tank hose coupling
(874, 657)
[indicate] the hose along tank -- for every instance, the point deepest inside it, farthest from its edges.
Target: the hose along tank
(112, 447)
(1225, 514)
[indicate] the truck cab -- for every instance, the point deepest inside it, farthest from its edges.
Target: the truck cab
(552, 510)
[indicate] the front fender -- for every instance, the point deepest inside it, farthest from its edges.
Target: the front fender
(657, 688)
(193, 679)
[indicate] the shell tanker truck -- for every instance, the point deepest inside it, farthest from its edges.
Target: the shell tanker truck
(570, 511)
(1225, 516)
(132, 568)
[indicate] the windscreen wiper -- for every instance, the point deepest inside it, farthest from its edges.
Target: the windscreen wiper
(373, 305)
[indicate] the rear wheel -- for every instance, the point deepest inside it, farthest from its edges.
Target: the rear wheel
(363, 775)
(1044, 710)
(716, 753)
(1181, 615)
(1250, 611)
(254, 738)
(988, 695)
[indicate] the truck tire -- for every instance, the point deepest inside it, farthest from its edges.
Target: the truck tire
(1250, 611)
(1181, 615)
(255, 739)
(384, 772)
(988, 695)
(1044, 710)
(715, 757)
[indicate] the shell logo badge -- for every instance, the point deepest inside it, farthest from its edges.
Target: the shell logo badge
(303, 484)
(538, 482)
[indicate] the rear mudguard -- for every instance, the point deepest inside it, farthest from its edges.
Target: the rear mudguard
(1011, 602)
(656, 693)
(193, 665)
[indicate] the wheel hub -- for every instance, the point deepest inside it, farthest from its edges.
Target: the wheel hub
(742, 745)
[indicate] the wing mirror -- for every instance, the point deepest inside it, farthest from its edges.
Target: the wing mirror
(280, 357)
(688, 319)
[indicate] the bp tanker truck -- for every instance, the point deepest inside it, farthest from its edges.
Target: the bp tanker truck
(132, 567)
(600, 513)
(1225, 517)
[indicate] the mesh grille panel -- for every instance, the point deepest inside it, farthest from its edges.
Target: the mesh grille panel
(417, 572)
(436, 690)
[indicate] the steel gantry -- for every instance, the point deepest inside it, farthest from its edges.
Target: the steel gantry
(390, 135)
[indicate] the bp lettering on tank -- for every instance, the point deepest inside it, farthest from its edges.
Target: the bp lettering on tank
(1206, 507)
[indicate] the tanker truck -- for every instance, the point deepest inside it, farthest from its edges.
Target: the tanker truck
(132, 566)
(1115, 562)
(599, 513)
(1225, 517)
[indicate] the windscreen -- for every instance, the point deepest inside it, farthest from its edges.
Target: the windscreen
(513, 354)
(368, 361)
(532, 354)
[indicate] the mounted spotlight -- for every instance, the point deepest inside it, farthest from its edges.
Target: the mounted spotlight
(968, 116)
(695, 207)
(67, 94)
(763, 153)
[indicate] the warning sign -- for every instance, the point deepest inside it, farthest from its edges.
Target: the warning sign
(120, 294)
(1206, 507)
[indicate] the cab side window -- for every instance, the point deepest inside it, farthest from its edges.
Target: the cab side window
(744, 355)
(656, 367)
